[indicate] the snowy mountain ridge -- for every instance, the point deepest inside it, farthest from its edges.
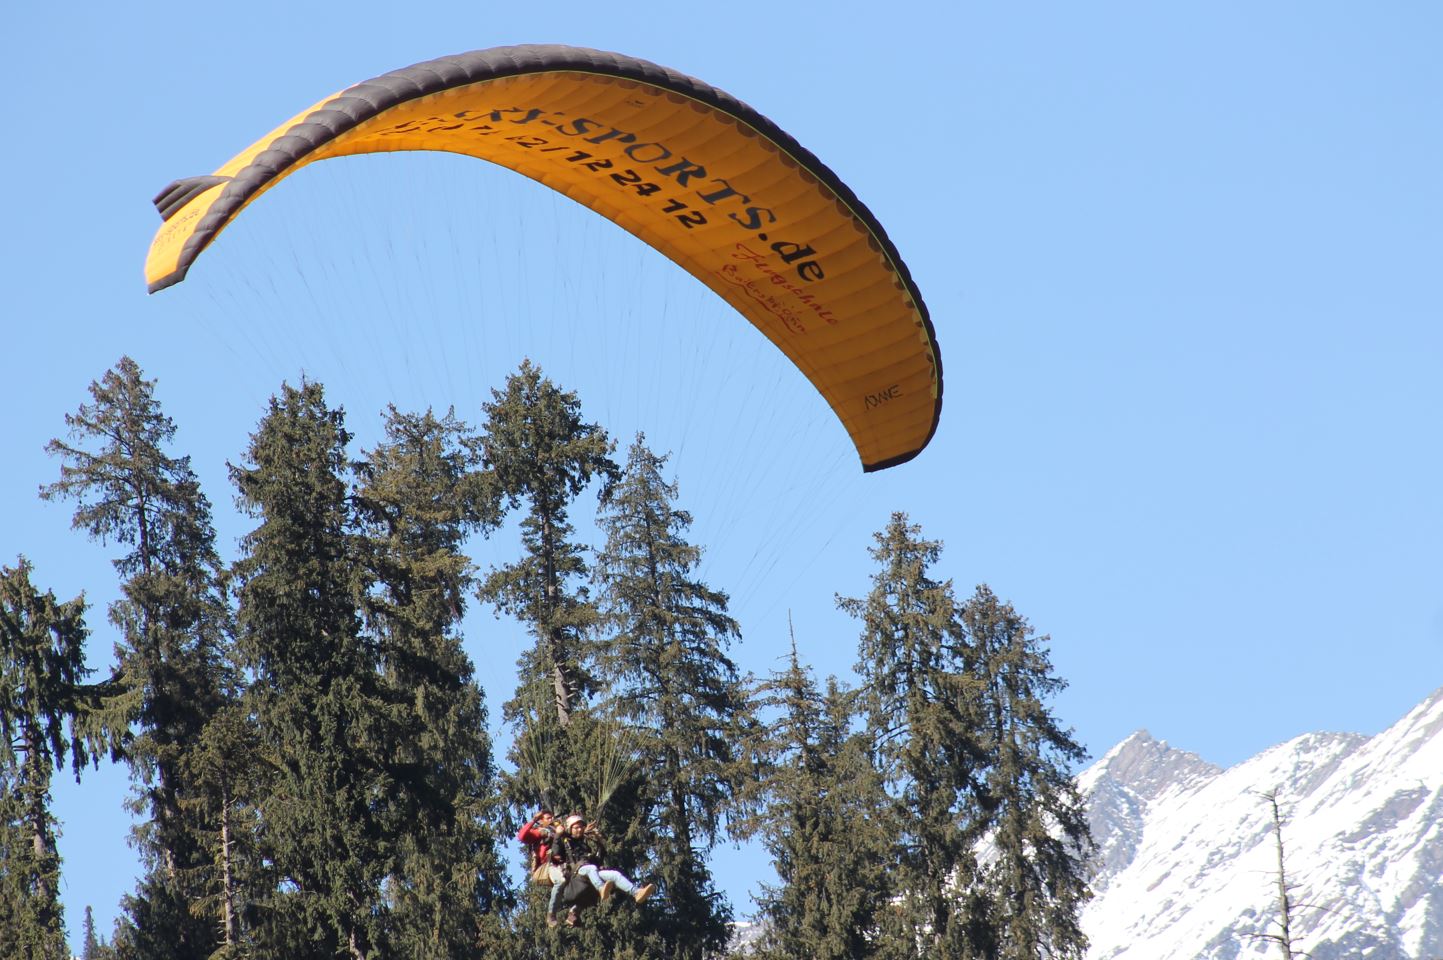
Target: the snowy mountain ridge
(1186, 865)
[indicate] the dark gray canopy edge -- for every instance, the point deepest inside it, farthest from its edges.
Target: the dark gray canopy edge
(365, 100)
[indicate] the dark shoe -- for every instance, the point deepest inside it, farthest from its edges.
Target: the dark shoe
(644, 892)
(551, 920)
(607, 889)
(571, 917)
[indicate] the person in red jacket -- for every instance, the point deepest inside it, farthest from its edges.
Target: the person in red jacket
(538, 836)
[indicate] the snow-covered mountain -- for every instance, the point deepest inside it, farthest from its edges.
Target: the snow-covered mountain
(1187, 856)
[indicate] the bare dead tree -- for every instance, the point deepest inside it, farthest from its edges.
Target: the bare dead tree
(1287, 906)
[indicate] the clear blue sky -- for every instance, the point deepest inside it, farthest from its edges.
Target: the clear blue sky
(1183, 261)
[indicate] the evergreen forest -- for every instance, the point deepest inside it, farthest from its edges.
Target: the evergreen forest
(307, 738)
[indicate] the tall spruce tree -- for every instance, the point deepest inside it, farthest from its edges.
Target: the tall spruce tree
(921, 696)
(324, 720)
(174, 626)
(23, 921)
(420, 496)
(232, 775)
(1034, 881)
(540, 452)
(89, 942)
(49, 717)
(825, 818)
(666, 636)
(92, 945)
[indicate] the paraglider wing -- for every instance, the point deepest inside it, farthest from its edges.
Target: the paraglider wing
(688, 169)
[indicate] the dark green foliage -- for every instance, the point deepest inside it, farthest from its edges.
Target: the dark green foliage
(1035, 883)
(93, 946)
(994, 836)
(47, 719)
(825, 819)
(158, 923)
(665, 661)
(208, 908)
(325, 787)
(28, 919)
(129, 489)
(540, 452)
(419, 496)
(174, 626)
(921, 696)
(322, 713)
(90, 943)
(231, 773)
(31, 915)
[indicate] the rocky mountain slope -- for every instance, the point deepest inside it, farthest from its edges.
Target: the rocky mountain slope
(1187, 857)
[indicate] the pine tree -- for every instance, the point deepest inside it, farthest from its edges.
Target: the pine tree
(419, 497)
(322, 715)
(921, 698)
(90, 944)
(232, 773)
(826, 820)
(93, 946)
(48, 716)
(174, 625)
(1034, 882)
(665, 659)
(540, 452)
(18, 923)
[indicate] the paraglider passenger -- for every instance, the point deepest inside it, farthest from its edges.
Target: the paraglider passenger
(579, 852)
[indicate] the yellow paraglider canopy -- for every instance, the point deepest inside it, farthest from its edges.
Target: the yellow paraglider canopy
(688, 169)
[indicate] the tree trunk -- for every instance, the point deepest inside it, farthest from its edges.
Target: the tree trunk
(1285, 936)
(561, 690)
(227, 882)
(42, 838)
(560, 684)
